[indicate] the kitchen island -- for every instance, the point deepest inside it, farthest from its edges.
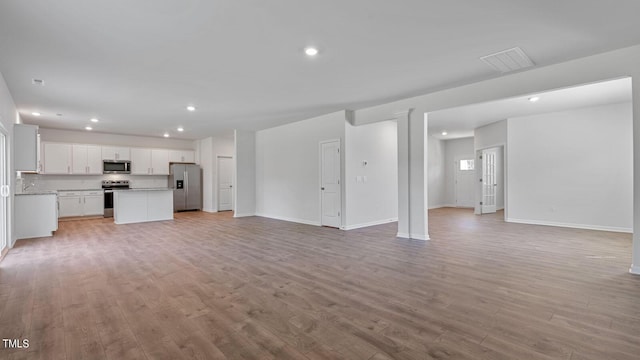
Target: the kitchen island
(142, 205)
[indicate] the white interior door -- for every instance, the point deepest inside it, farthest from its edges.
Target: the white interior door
(464, 181)
(225, 183)
(330, 183)
(489, 181)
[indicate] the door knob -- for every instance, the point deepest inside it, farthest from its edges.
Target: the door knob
(321, 188)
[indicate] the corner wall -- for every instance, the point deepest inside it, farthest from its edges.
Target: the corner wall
(244, 181)
(572, 168)
(208, 151)
(288, 167)
(371, 189)
(436, 173)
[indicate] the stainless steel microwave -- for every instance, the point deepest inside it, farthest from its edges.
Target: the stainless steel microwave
(116, 167)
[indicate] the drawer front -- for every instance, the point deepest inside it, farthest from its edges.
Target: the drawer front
(69, 193)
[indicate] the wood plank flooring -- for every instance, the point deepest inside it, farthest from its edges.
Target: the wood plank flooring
(208, 286)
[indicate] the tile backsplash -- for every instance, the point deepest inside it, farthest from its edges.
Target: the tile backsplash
(89, 182)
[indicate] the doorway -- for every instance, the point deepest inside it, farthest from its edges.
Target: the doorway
(225, 183)
(330, 192)
(464, 179)
(491, 180)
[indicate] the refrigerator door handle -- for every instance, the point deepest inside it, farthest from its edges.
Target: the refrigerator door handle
(186, 186)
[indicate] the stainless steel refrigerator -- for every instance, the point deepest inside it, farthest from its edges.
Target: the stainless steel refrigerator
(186, 181)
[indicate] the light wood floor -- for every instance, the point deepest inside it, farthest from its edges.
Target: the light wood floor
(208, 286)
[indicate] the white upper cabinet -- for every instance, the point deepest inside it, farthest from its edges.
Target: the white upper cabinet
(140, 161)
(116, 153)
(149, 161)
(181, 156)
(86, 159)
(94, 159)
(160, 162)
(26, 140)
(57, 158)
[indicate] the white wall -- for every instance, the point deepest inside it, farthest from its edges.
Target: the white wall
(245, 173)
(208, 151)
(436, 173)
(454, 149)
(491, 135)
(8, 117)
(205, 160)
(288, 167)
(374, 201)
(90, 137)
(572, 168)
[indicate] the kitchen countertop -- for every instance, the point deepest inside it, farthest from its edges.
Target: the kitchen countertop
(144, 189)
(39, 192)
(81, 189)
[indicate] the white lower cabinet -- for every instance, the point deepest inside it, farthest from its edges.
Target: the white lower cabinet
(81, 203)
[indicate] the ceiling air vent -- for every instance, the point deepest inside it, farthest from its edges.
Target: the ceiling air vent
(38, 82)
(508, 60)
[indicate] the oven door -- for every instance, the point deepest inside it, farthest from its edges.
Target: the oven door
(108, 203)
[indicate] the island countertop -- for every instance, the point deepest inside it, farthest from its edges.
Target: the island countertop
(143, 189)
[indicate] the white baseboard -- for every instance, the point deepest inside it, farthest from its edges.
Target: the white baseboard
(424, 237)
(635, 270)
(372, 223)
(413, 236)
(570, 225)
(284, 218)
(239, 215)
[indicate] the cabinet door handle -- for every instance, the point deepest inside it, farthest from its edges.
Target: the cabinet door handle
(68, 169)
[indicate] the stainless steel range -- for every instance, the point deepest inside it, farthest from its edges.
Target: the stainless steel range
(109, 186)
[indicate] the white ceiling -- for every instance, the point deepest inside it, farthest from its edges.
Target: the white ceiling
(137, 64)
(461, 121)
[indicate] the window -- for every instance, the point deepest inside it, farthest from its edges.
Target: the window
(466, 165)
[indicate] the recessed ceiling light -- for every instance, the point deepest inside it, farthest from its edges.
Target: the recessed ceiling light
(94, 120)
(191, 108)
(444, 133)
(311, 51)
(35, 113)
(181, 129)
(58, 114)
(89, 128)
(166, 134)
(534, 98)
(38, 82)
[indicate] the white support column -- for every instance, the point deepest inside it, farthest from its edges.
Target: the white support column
(412, 175)
(635, 252)
(403, 173)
